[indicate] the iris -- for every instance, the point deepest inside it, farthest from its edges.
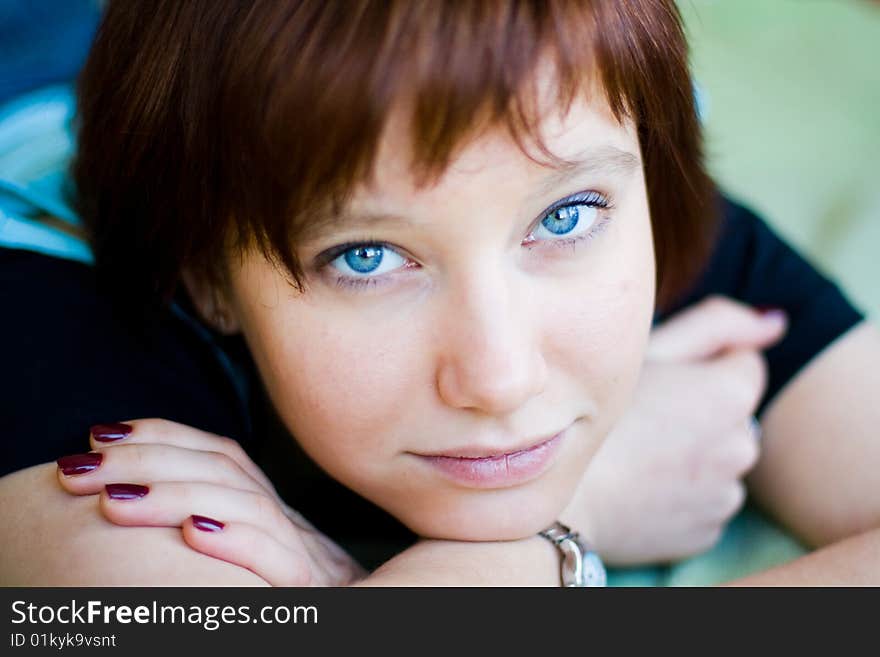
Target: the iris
(364, 259)
(562, 220)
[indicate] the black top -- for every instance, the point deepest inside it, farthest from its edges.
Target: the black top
(71, 363)
(752, 264)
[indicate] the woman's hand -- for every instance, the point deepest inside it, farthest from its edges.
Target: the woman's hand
(669, 476)
(164, 474)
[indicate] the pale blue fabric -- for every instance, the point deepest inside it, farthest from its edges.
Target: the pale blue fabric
(36, 144)
(43, 42)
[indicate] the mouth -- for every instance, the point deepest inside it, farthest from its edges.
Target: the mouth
(475, 468)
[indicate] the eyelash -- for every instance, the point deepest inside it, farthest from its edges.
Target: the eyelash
(323, 260)
(592, 199)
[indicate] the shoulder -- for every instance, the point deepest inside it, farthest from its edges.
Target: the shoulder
(72, 361)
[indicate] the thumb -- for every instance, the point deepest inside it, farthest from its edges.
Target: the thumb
(715, 325)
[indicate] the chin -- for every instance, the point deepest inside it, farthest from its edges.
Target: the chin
(486, 519)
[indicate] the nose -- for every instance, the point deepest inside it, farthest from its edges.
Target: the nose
(490, 358)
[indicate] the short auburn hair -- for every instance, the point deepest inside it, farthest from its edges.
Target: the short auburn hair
(207, 123)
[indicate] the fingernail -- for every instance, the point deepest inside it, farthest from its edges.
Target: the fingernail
(77, 464)
(772, 313)
(126, 491)
(207, 524)
(108, 433)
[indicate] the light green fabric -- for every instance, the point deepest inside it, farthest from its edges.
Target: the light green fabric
(751, 543)
(793, 123)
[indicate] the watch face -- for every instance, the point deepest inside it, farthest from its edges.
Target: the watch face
(594, 571)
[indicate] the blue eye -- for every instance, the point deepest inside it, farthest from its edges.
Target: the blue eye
(364, 259)
(367, 260)
(562, 220)
(577, 216)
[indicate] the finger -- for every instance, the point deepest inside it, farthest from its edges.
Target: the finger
(249, 547)
(149, 463)
(708, 539)
(165, 432)
(736, 381)
(730, 501)
(712, 326)
(169, 504)
(336, 567)
(736, 454)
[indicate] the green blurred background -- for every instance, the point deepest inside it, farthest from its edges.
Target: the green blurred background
(792, 115)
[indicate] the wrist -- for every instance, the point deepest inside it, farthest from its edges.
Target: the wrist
(531, 561)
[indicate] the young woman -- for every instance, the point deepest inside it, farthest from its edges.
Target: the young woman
(443, 231)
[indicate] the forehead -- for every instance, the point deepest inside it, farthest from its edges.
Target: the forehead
(584, 136)
(567, 140)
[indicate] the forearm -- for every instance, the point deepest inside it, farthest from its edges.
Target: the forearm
(51, 538)
(526, 562)
(854, 561)
(62, 540)
(817, 474)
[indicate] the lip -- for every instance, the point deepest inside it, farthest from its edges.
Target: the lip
(496, 470)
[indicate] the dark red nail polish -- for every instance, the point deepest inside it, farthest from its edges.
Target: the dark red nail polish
(77, 464)
(207, 524)
(108, 433)
(769, 309)
(126, 491)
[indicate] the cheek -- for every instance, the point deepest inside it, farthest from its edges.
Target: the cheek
(615, 334)
(600, 339)
(340, 388)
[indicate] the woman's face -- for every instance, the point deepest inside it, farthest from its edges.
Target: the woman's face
(461, 350)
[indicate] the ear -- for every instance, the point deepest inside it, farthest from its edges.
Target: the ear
(211, 303)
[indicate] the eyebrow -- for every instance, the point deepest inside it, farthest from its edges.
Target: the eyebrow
(605, 160)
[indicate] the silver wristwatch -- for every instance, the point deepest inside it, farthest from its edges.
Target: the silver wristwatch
(580, 565)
